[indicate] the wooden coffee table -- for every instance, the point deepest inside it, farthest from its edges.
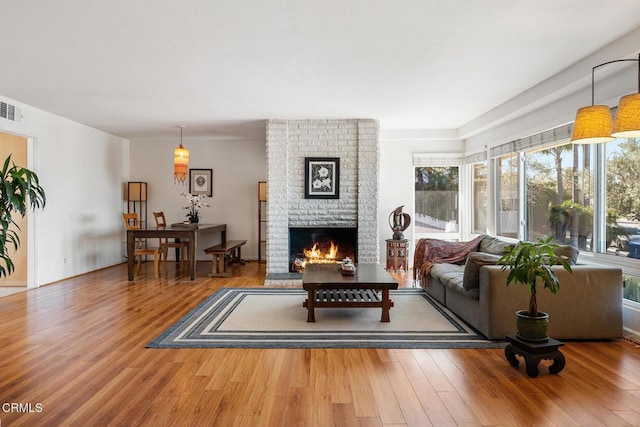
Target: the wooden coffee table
(326, 286)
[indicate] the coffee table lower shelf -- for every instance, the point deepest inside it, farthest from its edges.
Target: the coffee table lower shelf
(362, 298)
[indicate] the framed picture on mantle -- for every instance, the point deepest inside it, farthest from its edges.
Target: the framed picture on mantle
(321, 178)
(201, 182)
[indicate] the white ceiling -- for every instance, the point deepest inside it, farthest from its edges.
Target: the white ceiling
(138, 68)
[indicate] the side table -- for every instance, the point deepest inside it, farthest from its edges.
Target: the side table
(397, 254)
(533, 353)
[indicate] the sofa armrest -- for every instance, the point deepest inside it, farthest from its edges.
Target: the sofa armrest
(588, 304)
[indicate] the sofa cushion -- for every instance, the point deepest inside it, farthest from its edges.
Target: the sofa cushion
(472, 294)
(475, 260)
(568, 252)
(452, 276)
(448, 274)
(494, 245)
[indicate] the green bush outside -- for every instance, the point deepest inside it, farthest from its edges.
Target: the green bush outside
(631, 288)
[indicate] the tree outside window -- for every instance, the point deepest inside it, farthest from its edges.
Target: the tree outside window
(436, 199)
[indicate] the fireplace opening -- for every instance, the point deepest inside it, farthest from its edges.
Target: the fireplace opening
(321, 245)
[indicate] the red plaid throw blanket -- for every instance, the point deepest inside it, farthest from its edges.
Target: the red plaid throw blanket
(435, 251)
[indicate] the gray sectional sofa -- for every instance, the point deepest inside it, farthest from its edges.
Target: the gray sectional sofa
(587, 306)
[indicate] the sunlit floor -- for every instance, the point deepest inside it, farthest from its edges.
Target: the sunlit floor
(10, 290)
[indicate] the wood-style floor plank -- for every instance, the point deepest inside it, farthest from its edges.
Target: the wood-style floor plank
(77, 348)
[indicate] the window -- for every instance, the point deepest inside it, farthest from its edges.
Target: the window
(479, 212)
(623, 197)
(631, 289)
(436, 199)
(559, 194)
(622, 241)
(507, 182)
(576, 193)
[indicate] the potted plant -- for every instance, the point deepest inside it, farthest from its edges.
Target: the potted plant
(193, 206)
(531, 264)
(16, 186)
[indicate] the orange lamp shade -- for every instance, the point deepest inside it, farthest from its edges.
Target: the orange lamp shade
(180, 164)
(593, 125)
(627, 122)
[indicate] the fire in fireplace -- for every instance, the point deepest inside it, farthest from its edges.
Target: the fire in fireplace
(321, 245)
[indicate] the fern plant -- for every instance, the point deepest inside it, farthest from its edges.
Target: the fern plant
(19, 189)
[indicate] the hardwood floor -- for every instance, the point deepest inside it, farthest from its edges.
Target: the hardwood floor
(73, 353)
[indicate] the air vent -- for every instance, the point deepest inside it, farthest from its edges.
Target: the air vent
(10, 112)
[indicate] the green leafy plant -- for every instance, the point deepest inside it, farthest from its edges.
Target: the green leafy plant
(631, 289)
(530, 264)
(19, 190)
(614, 230)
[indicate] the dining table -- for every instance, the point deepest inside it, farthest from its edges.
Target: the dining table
(190, 232)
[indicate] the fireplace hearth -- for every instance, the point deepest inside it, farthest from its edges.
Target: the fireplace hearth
(321, 245)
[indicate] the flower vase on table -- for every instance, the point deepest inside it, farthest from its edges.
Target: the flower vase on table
(194, 204)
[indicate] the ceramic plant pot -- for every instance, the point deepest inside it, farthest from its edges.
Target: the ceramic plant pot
(532, 329)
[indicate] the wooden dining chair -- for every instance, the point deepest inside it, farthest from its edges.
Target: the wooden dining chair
(167, 243)
(158, 252)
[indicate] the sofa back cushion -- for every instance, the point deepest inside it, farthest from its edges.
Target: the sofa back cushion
(494, 245)
(475, 260)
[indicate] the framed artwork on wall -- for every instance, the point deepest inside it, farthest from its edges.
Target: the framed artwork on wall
(201, 182)
(321, 178)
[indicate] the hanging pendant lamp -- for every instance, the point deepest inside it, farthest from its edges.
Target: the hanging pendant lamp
(180, 162)
(594, 124)
(627, 122)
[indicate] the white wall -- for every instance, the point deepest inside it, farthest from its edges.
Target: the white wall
(237, 168)
(81, 170)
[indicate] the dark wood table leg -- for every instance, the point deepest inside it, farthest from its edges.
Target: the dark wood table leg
(386, 305)
(310, 304)
(131, 250)
(222, 265)
(177, 250)
(192, 254)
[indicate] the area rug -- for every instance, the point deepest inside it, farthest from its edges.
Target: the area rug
(275, 318)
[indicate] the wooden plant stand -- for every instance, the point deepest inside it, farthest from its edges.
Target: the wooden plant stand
(533, 353)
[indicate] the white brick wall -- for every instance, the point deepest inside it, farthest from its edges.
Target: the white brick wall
(355, 142)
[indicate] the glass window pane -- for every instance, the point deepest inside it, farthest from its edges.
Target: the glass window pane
(559, 191)
(480, 198)
(507, 219)
(436, 199)
(631, 289)
(623, 197)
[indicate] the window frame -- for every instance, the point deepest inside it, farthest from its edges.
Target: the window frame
(597, 254)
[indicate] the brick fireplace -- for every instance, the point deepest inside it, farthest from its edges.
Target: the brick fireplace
(321, 245)
(355, 142)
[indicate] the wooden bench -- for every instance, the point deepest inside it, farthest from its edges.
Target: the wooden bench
(230, 248)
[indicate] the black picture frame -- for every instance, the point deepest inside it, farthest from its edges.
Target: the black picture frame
(321, 178)
(201, 182)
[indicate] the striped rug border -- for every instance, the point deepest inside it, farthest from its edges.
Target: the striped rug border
(188, 331)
